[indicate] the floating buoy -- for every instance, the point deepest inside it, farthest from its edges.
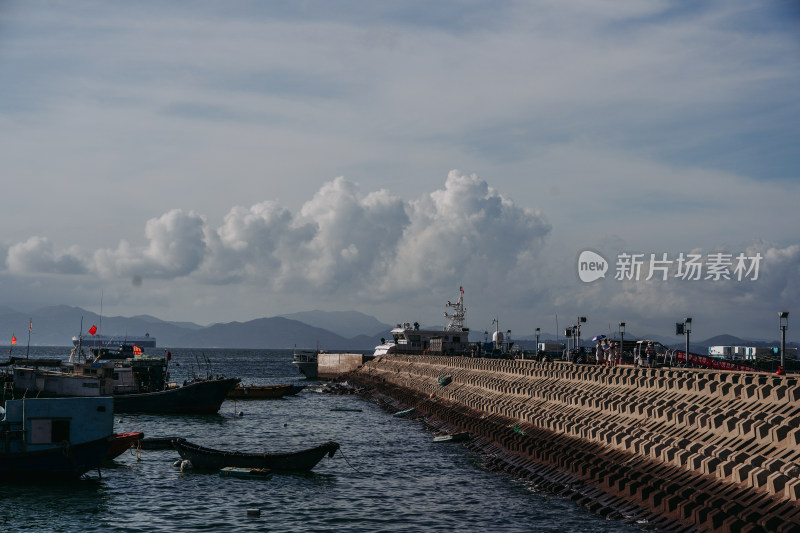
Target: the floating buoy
(186, 464)
(285, 425)
(241, 413)
(254, 512)
(177, 463)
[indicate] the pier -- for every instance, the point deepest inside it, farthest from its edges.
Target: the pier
(682, 449)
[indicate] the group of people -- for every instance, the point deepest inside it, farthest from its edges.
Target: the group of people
(608, 353)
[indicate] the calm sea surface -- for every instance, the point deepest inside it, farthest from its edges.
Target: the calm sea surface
(388, 475)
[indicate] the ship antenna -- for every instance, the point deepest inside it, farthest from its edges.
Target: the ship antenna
(457, 317)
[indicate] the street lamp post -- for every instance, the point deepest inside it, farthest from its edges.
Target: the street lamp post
(687, 328)
(783, 323)
(568, 335)
(621, 339)
(538, 331)
(581, 319)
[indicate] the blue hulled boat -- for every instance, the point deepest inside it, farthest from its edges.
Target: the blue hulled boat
(54, 438)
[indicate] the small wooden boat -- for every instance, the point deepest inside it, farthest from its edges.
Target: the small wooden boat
(401, 414)
(452, 437)
(211, 459)
(157, 443)
(123, 442)
(262, 392)
(350, 409)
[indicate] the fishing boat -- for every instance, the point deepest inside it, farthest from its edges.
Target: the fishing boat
(138, 385)
(202, 396)
(411, 339)
(123, 442)
(54, 438)
(306, 362)
(263, 392)
(210, 459)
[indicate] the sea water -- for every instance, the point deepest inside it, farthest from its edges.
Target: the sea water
(388, 476)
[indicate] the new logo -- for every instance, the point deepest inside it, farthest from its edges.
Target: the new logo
(591, 266)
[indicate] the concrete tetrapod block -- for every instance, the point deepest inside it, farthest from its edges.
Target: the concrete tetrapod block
(695, 461)
(741, 473)
(725, 469)
(792, 489)
(757, 478)
(681, 458)
(709, 465)
(776, 482)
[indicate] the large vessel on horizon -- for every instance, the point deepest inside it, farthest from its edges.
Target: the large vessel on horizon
(114, 341)
(411, 339)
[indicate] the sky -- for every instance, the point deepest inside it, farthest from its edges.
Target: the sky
(217, 162)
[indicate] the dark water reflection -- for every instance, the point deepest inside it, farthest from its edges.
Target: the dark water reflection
(389, 476)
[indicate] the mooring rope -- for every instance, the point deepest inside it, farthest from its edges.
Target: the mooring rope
(341, 452)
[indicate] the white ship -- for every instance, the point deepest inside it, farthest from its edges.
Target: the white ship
(410, 339)
(306, 362)
(115, 341)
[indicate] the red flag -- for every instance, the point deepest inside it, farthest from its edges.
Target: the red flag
(13, 339)
(92, 330)
(137, 350)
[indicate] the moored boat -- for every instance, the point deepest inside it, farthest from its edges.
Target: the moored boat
(401, 414)
(139, 385)
(203, 396)
(413, 340)
(452, 437)
(210, 459)
(54, 438)
(306, 363)
(263, 392)
(123, 442)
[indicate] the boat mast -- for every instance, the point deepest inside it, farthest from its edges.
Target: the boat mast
(79, 347)
(28, 349)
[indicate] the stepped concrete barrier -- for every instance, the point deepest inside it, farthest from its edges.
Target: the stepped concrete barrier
(679, 449)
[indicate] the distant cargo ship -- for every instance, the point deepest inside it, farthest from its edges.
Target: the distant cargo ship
(114, 341)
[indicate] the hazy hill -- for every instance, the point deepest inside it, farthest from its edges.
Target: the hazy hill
(275, 332)
(344, 323)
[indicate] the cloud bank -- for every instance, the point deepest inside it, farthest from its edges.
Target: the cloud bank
(341, 241)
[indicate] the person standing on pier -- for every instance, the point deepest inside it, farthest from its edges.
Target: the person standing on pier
(649, 352)
(598, 352)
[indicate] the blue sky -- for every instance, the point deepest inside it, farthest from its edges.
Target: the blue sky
(215, 162)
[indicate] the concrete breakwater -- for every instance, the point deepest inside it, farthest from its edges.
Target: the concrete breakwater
(681, 449)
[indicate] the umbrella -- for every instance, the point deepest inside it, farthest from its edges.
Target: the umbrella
(598, 338)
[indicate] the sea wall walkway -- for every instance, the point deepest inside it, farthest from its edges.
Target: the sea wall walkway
(683, 449)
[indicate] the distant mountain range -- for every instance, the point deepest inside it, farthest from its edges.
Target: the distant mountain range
(330, 330)
(55, 326)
